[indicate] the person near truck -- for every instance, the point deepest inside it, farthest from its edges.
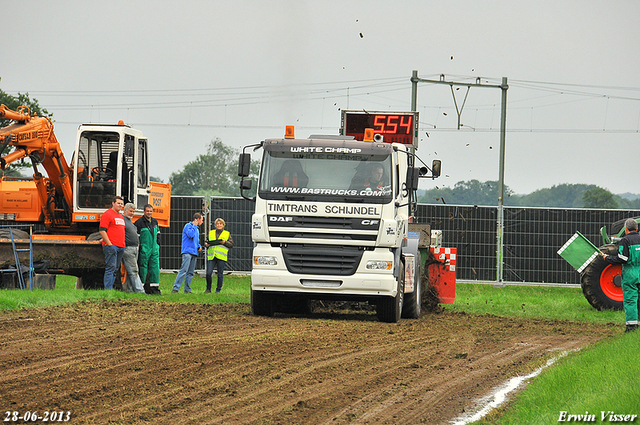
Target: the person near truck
(190, 249)
(113, 243)
(629, 256)
(218, 245)
(130, 256)
(149, 255)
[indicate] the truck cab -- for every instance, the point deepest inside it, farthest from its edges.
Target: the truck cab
(331, 222)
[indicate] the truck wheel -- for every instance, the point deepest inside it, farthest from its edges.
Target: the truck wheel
(93, 280)
(413, 300)
(599, 282)
(17, 234)
(262, 303)
(389, 309)
(95, 236)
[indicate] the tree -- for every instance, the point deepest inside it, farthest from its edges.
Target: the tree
(599, 198)
(472, 192)
(13, 102)
(214, 173)
(559, 196)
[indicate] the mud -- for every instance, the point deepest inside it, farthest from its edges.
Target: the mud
(147, 362)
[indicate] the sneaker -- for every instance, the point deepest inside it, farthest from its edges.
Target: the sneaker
(174, 291)
(631, 328)
(208, 291)
(217, 291)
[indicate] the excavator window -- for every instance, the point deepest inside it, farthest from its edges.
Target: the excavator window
(98, 152)
(95, 150)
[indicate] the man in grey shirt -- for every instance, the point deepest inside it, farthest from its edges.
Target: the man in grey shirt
(130, 256)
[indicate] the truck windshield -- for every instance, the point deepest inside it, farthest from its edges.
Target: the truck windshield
(323, 176)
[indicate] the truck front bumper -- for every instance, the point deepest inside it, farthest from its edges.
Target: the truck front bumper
(364, 282)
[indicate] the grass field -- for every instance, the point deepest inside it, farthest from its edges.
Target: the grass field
(602, 378)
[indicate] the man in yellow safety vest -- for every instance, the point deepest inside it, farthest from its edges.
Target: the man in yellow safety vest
(218, 246)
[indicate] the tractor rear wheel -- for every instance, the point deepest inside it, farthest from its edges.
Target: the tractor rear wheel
(602, 282)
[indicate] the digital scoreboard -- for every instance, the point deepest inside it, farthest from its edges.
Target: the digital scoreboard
(395, 127)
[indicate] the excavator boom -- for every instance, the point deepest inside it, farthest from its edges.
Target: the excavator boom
(33, 138)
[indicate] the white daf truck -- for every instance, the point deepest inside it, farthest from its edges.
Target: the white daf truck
(332, 217)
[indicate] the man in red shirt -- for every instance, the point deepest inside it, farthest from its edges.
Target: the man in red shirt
(112, 232)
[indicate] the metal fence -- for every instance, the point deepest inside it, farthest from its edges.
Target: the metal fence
(182, 210)
(532, 236)
(236, 212)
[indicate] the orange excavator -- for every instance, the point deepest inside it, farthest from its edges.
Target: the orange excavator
(66, 203)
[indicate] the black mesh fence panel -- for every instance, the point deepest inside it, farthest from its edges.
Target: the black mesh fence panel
(236, 213)
(182, 210)
(472, 230)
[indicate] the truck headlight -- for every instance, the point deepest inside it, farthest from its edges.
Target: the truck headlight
(379, 265)
(265, 260)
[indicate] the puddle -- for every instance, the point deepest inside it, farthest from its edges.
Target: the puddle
(500, 393)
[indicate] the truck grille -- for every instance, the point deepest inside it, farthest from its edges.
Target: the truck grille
(335, 228)
(345, 223)
(333, 236)
(315, 259)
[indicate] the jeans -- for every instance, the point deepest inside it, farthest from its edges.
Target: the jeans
(130, 260)
(218, 264)
(186, 272)
(112, 258)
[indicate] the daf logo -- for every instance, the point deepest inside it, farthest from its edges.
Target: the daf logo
(280, 218)
(370, 222)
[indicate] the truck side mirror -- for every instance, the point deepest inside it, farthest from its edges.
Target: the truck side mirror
(436, 167)
(245, 184)
(413, 174)
(244, 165)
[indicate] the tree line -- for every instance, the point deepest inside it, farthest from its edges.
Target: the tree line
(474, 192)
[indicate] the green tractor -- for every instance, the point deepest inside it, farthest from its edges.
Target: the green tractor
(601, 282)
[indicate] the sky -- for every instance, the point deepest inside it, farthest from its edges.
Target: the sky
(188, 72)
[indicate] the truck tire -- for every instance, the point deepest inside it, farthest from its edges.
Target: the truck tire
(262, 303)
(93, 279)
(95, 236)
(599, 282)
(413, 300)
(17, 234)
(389, 309)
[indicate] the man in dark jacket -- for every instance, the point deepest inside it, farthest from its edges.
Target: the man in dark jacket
(149, 255)
(629, 256)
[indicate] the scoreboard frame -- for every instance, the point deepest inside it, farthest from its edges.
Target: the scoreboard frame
(395, 127)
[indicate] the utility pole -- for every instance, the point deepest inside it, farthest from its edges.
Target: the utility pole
(503, 130)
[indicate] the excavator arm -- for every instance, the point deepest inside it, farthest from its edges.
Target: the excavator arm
(33, 138)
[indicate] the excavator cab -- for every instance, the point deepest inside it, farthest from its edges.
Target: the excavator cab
(109, 161)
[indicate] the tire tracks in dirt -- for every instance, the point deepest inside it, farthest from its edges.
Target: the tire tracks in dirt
(155, 362)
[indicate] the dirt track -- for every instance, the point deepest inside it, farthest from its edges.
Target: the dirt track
(160, 363)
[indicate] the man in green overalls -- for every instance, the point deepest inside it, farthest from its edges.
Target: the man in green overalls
(629, 256)
(218, 246)
(149, 254)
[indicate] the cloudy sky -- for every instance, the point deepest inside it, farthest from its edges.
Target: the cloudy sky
(187, 72)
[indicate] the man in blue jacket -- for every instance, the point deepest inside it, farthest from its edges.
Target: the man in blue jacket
(190, 249)
(629, 256)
